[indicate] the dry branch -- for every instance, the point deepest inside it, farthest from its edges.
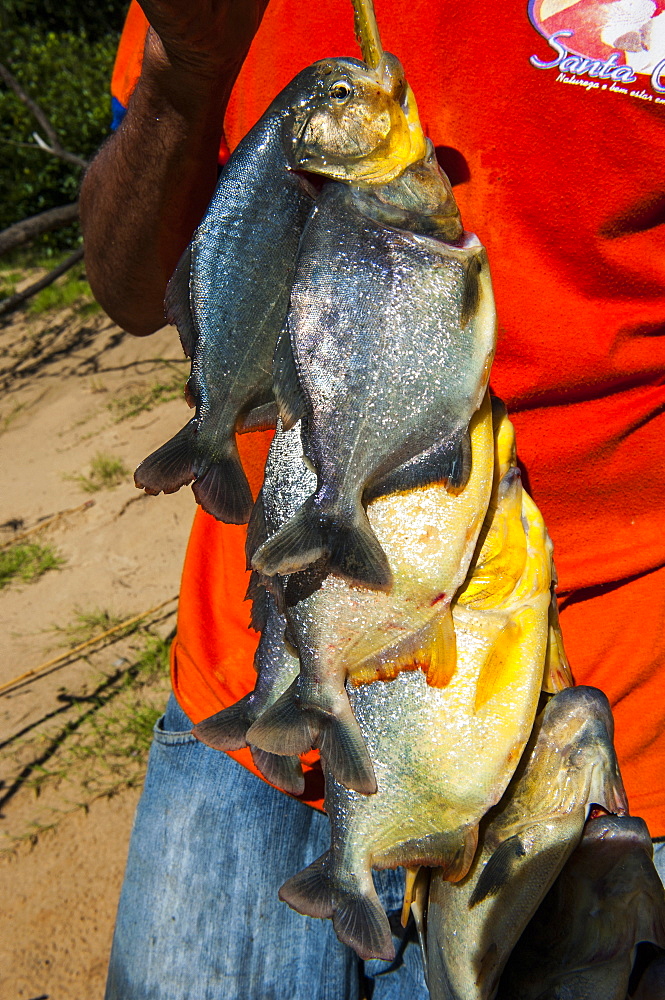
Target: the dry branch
(82, 645)
(53, 146)
(26, 230)
(11, 303)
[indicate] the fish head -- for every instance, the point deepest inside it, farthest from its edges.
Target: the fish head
(355, 124)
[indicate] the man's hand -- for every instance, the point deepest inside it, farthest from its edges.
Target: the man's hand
(145, 192)
(207, 37)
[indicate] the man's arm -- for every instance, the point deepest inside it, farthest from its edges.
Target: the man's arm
(149, 185)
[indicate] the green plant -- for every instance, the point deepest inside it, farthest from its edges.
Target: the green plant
(27, 561)
(105, 471)
(88, 624)
(147, 397)
(70, 289)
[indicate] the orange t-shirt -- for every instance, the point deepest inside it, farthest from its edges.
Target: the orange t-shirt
(559, 158)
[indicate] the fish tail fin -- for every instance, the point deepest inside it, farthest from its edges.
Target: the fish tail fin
(352, 549)
(284, 729)
(227, 729)
(356, 554)
(358, 917)
(343, 751)
(171, 466)
(284, 772)
(298, 543)
(223, 491)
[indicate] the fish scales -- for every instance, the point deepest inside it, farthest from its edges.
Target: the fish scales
(388, 367)
(229, 293)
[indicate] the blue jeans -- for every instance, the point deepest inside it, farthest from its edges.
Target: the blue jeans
(199, 917)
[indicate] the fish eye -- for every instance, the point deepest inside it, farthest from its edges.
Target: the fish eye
(340, 91)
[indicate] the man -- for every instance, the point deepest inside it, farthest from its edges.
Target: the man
(559, 161)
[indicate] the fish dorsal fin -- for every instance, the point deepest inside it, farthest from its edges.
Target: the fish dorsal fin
(286, 386)
(257, 531)
(177, 305)
(498, 869)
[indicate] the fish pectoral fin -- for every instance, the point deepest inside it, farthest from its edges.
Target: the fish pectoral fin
(447, 461)
(343, 751)
(498, 869)
(226, 729)
(284, 772)
(471, 294)
(171, 466)
(223, 490)
(503, 660)
(177, 306)
(284, 728)
(289, 398)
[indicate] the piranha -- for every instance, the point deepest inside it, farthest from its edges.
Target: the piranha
(389, 341)
(229, 293)
(582, 942)
(344, 632)
(442, 755)
(568, 768)
(276, 668)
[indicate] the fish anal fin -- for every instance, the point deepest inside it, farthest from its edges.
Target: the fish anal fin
(260, 418)
(177, 306)
(223, 490)
(171, 466)
(503, 662)
(498, 869)
(433, 650)
(289, 398)
(447, 461)
(284, 772)
(453, 852)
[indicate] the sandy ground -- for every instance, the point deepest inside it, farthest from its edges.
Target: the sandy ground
(63, 376)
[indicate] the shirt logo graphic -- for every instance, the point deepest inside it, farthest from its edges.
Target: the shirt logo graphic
(616, 43)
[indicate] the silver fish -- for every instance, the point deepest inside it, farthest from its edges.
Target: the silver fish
(276, 668)
(391, 338)
(569, 766)
(229, 293)
(581, 943)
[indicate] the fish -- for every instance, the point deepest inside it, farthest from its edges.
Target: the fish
(568, 769)
(343, 632)
(582, 942)
(386, 355)
(442, 755)
(276, 668)
(229, 293)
